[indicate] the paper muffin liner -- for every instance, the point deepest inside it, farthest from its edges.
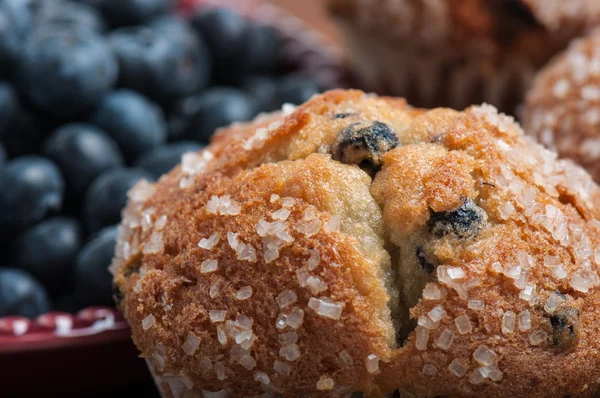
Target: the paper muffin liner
(445, 77)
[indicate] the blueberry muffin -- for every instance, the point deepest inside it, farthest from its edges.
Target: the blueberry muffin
(357, 244)
(562, 108)
(460, 52)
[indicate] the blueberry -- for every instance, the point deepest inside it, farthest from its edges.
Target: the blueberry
(364, 143)
(9, 104)
(163, 63)
(296, 89)
(133, 121)
(223, 30)
(21, 295)
(162, 159)
(16, 20)
(83, 152)
(66, 72)
(197, 117)
(261, 49)
(71, 15)
(427, 266)
(464, 222)
(92, 280)
(133, 12)
(107, 196)
(48, 249)
(32, 187)
(23, 133)
(263, 89)
(2, 156)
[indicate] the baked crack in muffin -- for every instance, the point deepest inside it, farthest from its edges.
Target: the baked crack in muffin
(357, 244)
(563, 105)
(457, 52)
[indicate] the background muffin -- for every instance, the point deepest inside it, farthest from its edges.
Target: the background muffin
(562, 109)
(359, 244)
(456, 53)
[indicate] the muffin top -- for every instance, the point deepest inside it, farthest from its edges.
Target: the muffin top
(562, 108)
(358, 244)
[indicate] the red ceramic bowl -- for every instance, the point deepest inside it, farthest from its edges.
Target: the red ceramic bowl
(90, 353)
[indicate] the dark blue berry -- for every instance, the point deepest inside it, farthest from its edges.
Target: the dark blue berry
(9, 104)
(261, 49)
(23, 133)
(48, 250)
(16, 21)
(93, 282)
(71, 15)
(262, 89)
(364, 143)
(296, 89)
(3, 156)
(133, 121)
(82, 152)
(464, 222)
(162, 159)
(21, 295)
(32, 188)
(66, 72)
(223, 30)
(133, 12)
(197, 117)
(107, 196)
(163, 63)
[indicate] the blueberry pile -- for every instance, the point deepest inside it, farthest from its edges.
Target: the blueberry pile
(95, 95)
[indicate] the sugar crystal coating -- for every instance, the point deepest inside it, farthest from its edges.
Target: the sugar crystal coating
(508, 322)
(463, 324)
(458, 367)
(485, 356)
(372, 363)
(191, 344)
(148, 322)
(437, 313)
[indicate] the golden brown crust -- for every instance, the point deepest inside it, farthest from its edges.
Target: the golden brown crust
(463, 190)
(562, 107)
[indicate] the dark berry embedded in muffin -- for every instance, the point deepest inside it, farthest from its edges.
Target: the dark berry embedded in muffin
(21, 294)
(464, 222)
(107, 195)
(82, 152)
(132, 120)
(66, 72)
(364, 143)
(48, 250)
(32, 188)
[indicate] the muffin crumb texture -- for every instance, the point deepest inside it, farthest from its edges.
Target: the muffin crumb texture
(357, 244)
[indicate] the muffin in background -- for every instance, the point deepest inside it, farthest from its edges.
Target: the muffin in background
(456, 53)
(562, 108)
